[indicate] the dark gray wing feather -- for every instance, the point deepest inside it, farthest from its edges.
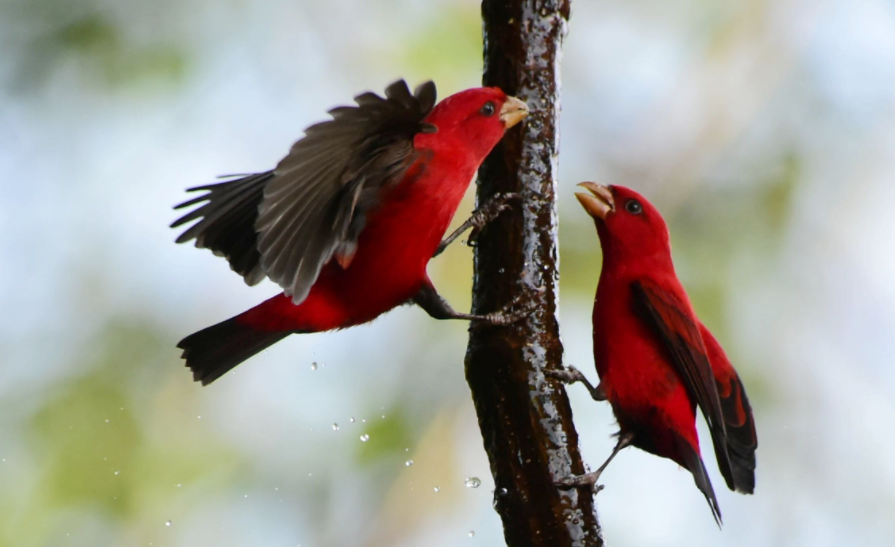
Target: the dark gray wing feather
(227, 222)
(316, 204)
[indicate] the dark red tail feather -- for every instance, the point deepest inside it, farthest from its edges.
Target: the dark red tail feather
(694, 464)
(212, 352)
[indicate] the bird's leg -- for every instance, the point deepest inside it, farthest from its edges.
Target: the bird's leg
(438, 308)
(590, 479)
(570, 375)
(479, 219)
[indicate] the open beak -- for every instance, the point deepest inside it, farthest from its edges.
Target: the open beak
(512, 112)
(599, 203)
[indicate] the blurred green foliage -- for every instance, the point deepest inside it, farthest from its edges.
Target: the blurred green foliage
(88, 37)
(91, 437)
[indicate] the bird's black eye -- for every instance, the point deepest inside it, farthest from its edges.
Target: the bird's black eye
(634, 207)
(487, 109)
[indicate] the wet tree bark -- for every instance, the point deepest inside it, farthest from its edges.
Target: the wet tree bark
(526, 420)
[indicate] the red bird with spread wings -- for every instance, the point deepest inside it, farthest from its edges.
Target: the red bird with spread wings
(656, 361)
(347, 222)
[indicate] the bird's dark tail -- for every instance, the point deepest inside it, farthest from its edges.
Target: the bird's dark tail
(694, 464)
(212, 352)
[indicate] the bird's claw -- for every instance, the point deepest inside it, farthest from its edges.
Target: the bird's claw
(571, 375)
(568, 375)
(488, 212)
(511, 313)
(588, 480)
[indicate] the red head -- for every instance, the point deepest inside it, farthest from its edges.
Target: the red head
(631, 229)
(476, 117)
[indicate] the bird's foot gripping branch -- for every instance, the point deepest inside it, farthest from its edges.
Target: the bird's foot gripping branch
(437, 307)
(571, 375)
(479, 219)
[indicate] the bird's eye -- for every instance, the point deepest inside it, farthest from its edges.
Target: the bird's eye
(634, 207)
(487, 109)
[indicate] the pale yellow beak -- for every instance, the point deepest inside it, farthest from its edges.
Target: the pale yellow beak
(512, 112)
(598, 205)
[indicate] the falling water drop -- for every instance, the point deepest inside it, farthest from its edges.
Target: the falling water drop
(408, 463)
(473, 482)
(364, 438)
(314, 365)
(437, 489)
(352, 419)
(335, 426)
(168, 523)
(472, 533)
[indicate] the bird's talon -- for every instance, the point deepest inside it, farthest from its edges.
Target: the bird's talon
(568, 375)
(509, 314)
(588, 480)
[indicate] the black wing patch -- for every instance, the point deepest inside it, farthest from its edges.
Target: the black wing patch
(227, 224)
(316, 205)
(286, 224)
(680, 335)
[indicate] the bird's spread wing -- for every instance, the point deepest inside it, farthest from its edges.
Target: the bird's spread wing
(678, 330)
(742, 440)
(287, 223)
(227, 224)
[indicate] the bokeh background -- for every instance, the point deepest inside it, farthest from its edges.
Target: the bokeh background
(764, 130)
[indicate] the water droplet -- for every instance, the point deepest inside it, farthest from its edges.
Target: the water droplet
(364, 438)
(107, 420)
(352, 419)
(473, 482)
(314, 366)
(200, 417)
(408, 463)
(406, 450)
(437, 489)
(168, 523)
(383, 416)
(335, 427)
(502, 492)
(116, 472)
(472, 533)
(179, 485)
(364, 420)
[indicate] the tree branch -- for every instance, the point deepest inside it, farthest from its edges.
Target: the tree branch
(526, 420)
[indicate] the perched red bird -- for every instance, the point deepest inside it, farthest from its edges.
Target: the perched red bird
(656, 361)
(347, 222)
